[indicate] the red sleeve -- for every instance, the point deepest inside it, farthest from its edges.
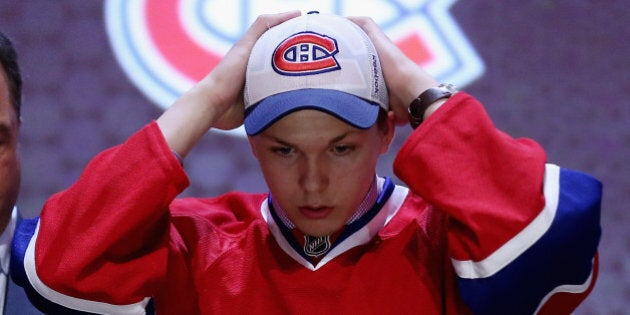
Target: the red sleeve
(105, 238)
(489, 183)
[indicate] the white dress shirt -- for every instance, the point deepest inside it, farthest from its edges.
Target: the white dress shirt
(5, 255)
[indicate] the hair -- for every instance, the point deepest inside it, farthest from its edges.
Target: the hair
(381, 121)
(8, 59)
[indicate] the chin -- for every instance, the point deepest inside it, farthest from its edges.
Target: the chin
(318, 231)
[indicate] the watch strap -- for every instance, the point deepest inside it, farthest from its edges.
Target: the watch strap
(419, 105)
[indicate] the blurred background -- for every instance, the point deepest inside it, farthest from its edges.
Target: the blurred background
(554, 71)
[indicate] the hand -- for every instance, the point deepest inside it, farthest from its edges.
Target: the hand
(228, 78)
(216, 101)
(405, 80)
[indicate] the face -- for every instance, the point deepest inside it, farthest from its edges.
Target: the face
(319, 168)
(9, 158)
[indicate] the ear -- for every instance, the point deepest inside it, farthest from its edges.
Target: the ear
(388, 130)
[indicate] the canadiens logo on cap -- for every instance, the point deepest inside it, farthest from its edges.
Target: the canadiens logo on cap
(323, 62)
(306, 53)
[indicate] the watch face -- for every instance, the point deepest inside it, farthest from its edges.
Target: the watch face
(450, 87)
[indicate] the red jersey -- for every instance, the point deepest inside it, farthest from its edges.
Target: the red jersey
(482, 227)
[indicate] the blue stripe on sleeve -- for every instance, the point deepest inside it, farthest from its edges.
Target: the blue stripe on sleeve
(562, 256)
(23, 234)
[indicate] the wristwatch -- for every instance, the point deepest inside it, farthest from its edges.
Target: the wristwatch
(420, 104)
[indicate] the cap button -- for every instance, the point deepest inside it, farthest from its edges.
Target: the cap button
(313, 12)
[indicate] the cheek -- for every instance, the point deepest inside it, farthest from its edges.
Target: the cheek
(354, 177)
(278, 176)
(361, 165)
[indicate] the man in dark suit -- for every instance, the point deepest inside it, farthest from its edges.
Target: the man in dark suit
(13, 299)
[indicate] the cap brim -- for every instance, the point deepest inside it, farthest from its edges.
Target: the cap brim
(347, 107)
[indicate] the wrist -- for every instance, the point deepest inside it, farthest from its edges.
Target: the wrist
(433, 108)
(428, 102)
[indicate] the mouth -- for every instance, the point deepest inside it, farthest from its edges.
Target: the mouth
(315, 212)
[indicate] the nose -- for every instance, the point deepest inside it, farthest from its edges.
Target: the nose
(313, 175)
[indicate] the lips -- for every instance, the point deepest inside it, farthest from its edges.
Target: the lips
(315, 212)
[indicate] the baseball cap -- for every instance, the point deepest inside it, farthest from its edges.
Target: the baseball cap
(314, 61)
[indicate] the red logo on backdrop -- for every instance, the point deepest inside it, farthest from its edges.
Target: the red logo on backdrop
(166, 46)
(305, 53)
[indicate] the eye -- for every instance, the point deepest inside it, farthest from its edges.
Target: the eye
(342, 149)
(282, 150)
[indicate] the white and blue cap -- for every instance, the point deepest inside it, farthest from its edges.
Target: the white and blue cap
(314, 61)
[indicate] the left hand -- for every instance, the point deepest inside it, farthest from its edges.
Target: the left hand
(405, 80)
(216, 101)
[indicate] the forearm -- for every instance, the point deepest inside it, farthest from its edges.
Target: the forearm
(460, 163)
(111, 222)
(517, 223)
(190, 117)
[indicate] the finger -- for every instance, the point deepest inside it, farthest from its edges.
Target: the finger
(265, 22)
(235, 59)
(241, 49)
(229, 74)
(372, 29)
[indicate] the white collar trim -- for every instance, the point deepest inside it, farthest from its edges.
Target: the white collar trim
(360, 237)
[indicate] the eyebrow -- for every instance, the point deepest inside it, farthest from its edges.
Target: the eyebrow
(274, 139)
(340, 137)
(283, 142)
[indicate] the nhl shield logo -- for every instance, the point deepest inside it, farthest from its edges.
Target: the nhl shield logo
(166, 46)
(315, 246)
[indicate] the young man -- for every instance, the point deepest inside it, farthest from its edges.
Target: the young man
(12, 298)
(486, 226)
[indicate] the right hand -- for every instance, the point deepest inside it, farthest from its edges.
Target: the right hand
(405, 79)
(227, 80)
(217, 100)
